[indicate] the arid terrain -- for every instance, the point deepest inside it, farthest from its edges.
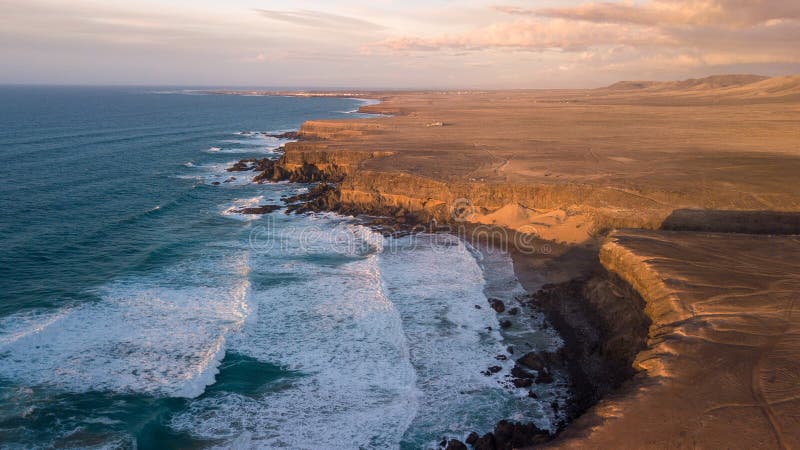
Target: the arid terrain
(571, 163)
(700, 180)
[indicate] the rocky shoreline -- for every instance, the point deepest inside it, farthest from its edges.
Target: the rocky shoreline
(696, 190)
(612, 314)
(595, 358)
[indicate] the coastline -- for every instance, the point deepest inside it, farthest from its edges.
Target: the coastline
(612, 316)
(559, 264)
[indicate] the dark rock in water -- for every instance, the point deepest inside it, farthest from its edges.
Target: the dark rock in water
(510, 350)
(522, 382)
(497, 305)
(216, 183)
(263, 209)
(455, 444)
(286, 135)
(443, 442)
(501, 357)
(509, 435)
(554, 405)
(495, 369)
(322, 197)
(533, 360)
(251, 164)
(485, 442)
(478, 307)
(519, 372)
(241, 166)
(489, 329)
(505, 324)
(544, 377)
(532, 394)
(513, 311)
(306, 173)
(472, 438)
(503, 432)
(263, 164)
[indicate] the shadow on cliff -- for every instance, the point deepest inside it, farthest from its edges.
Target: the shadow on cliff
(722, 221)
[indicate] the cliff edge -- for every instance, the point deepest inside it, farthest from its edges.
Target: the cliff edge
(721, 368)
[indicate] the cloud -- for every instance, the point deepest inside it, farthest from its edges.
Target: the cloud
(685, 33)
(731, 13)
(318, 19)
(451, 45)
(534, 34)
(516, 10)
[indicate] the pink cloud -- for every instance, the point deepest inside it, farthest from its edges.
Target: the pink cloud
(673, 32)
(534, 34)
(733, 13)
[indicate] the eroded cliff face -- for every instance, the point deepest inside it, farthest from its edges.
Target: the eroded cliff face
(662, 305)
(604, 327)
(569, 212)
(309, 165)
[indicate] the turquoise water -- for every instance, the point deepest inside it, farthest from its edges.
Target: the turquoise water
(137, 310)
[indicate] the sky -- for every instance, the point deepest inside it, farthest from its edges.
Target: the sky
(378, 44)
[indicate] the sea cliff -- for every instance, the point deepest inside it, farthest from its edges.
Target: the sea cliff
(680, 326)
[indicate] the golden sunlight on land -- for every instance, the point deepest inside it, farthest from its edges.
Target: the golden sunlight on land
(705, 170)
(570, 163)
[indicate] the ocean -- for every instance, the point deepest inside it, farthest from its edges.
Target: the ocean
(139, 310)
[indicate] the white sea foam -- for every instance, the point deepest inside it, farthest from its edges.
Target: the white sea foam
(436, 284)
(238, 204)
(365, 102)
(162, 335)
(386, 336)
(217, 173)
(254, 142)
(21, 325)
(527, 332)
(334, 325)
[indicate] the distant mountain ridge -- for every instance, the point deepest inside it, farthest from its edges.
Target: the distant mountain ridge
(711, 82)
(717, 88)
